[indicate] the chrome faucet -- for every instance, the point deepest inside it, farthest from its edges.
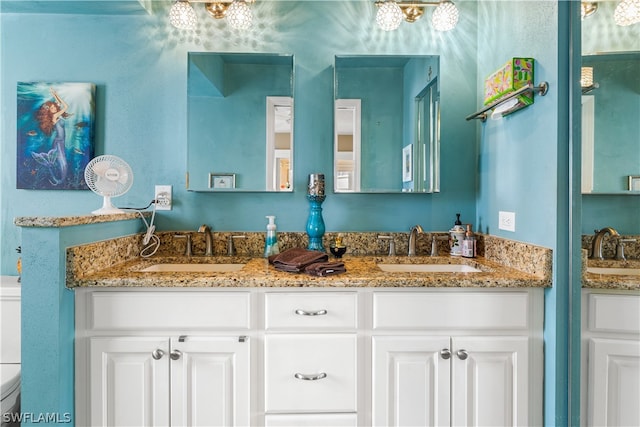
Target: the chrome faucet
(412, 239)
(596, 246)
(208, 238)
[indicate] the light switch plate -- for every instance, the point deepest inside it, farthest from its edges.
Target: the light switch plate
(507, 221)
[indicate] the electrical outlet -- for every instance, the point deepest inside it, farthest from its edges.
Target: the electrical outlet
(507, 221)
(163, 198)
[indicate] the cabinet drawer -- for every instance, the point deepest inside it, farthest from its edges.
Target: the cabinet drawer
(311, 420)
(311, 310)
(169, 310)
(330, 358)
(614, 313)
(458, 310)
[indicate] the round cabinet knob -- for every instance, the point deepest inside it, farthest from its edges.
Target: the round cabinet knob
(175, 355)
(445, 353)
(462, 354)
(157, 354)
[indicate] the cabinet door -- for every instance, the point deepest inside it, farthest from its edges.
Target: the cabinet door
(490, 380)
(210, 379)
(411, 381)
(129, 381)
(614, 382)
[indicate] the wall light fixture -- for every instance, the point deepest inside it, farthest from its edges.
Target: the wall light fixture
(586, 80)
(391, 13)
(238, 13)
(626, 13)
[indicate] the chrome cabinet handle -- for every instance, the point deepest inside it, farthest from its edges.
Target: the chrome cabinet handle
(316, 377)
(175, 354)
(157, 354)
(462, 354)
(311, 313)
(445, 353)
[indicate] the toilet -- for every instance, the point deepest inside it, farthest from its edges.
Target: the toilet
(9, 347)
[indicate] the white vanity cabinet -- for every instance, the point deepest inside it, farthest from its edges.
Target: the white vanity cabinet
(457, 358)
(610, 357)
(143, 369)
(310, 359)
(317, 357)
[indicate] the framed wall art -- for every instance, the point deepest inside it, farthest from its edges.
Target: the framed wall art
(55, 134)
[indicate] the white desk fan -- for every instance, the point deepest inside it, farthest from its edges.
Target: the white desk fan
(108, 176)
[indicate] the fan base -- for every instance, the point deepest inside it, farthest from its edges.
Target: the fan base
(107, 208)
(108, 211)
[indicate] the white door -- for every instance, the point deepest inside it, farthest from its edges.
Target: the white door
(210, 380)
(614, 382)
(411, 381)
(490, 381)
(129, 381)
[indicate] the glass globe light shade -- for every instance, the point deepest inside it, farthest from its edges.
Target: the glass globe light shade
(389, 15)
(239, 15)
(445, 17)
(586, 77)
(182, 15)
(627, 13)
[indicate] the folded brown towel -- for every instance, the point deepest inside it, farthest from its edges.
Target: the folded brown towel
(296, 259)
(325, 268)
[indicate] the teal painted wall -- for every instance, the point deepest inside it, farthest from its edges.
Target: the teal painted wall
(139, 63)
(47, 372)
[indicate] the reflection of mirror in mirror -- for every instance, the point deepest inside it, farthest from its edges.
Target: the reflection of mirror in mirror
(347, 147)
(610, 125)
(279, 143)
(377, 115)
(256, 90)
(427, 163)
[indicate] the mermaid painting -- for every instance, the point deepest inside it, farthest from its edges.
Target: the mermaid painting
(55, 134)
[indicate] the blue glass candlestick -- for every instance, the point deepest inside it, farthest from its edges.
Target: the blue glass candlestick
(315, 223)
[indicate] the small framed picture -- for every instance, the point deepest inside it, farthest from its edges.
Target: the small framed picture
(634, 182)
(407, 163)
(222, 181)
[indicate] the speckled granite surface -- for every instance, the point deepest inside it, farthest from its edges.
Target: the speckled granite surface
(361, 272)
(609, 281)
(115, 263)
(68, 221)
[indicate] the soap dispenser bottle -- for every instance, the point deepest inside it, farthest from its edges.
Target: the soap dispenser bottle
(271, 242)
(469, 243)
(457, 236)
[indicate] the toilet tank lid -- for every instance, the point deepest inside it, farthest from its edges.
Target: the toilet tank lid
(9, 286)
(9, 377)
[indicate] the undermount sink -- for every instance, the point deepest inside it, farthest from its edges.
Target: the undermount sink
(617, 271)
(193, 268)
(428, 268)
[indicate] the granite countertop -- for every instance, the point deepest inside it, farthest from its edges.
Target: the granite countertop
(610, 281)
(362, 271)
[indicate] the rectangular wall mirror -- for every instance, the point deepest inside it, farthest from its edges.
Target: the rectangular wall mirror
(225, 89)
(387, 124)
(611, 123)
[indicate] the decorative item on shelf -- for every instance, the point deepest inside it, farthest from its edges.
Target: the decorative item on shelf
(509, 89)
(513, 75)
(586, 80)
(315, 223)
(391, 13)
(238, 13)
